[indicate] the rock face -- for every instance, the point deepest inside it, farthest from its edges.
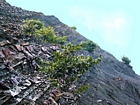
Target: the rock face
(111, 82)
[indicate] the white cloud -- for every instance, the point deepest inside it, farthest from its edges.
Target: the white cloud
(112, 26)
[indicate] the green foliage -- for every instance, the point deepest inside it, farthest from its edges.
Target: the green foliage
(126, 60)
(89, 46)
(48, 35)
(83, 88)
(37, 28)
(73, 27)
(67, 67)
(32, 25)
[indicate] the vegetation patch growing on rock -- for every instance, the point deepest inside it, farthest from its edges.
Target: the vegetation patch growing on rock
(47, 34)
(126, 60)
(66, 67)
(73, 27)
(89, 45)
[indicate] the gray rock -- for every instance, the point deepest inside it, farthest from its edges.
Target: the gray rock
(111, 82)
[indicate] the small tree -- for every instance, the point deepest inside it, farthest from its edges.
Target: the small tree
(126, 60)
(73, 27)
(48, 35)
(30, 26)
(67, 67)
(89, 46)
(37, 28)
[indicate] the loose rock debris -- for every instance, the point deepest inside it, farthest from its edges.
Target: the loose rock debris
(20, 81)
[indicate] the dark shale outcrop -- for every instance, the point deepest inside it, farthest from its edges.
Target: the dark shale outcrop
(111, 82)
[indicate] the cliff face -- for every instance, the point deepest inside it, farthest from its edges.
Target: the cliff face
(111, 81)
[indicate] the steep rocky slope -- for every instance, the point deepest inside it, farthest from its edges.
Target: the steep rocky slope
(111, 82)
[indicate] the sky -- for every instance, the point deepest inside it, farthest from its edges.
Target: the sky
(113, 24)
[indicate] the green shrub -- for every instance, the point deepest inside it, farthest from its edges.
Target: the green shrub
(66, 67)
(48, 35)
(82, 88)
(89, 45)
(126, 60)
(73, 27)
(37, 28)
(30, 26)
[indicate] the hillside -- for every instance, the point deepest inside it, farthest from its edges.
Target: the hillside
(111, 82)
